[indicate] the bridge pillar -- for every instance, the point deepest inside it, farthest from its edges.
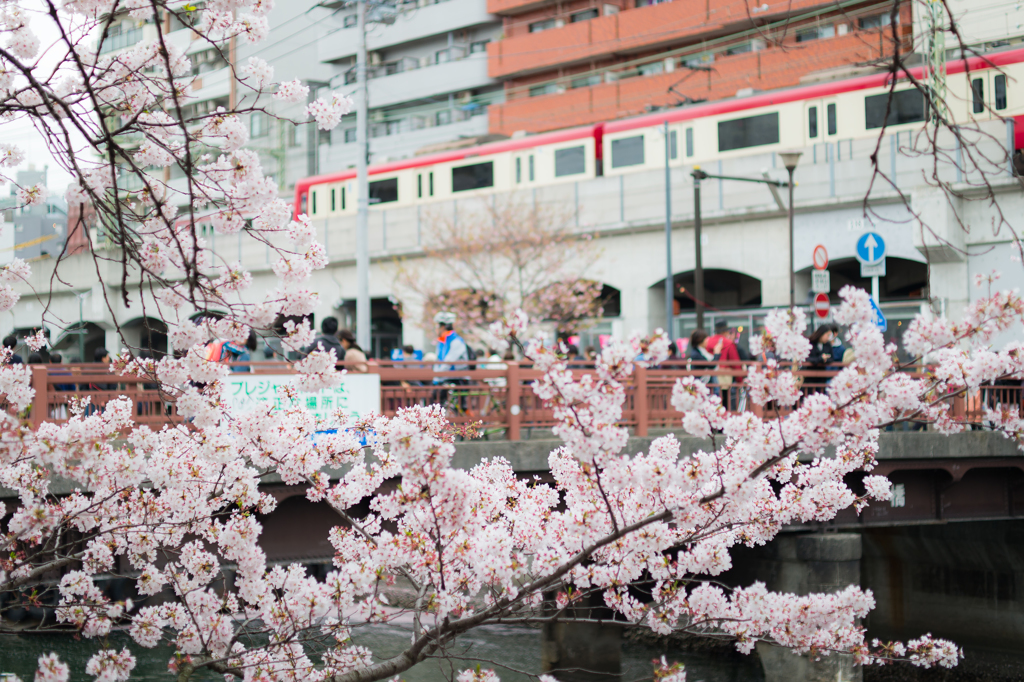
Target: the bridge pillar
(803, 564)
(583, 652)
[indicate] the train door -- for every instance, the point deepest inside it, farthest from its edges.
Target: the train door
(821, 121)
(989, 94)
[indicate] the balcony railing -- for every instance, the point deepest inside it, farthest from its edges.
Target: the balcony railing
(485, 395)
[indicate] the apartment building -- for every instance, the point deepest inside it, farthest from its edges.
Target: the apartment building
(428, 81)
(566, 63)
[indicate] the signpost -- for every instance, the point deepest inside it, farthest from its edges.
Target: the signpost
(820, 257)
(880, 320)
(871, 254)
(821, 305)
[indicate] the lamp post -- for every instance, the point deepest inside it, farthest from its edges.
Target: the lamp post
(698, 270)
(362, 188)
(669, 281)
(790, 160)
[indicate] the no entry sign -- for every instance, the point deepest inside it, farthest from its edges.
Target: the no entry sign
(821, 305)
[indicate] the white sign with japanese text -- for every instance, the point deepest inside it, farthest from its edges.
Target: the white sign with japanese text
(358, 395)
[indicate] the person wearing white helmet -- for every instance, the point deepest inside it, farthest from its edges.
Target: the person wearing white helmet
(451, 347)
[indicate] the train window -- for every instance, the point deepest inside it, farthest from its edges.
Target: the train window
(477, 176)
(531, 168)
(629, 151)
(673, 145)
(419, 186)
(333, 196)
(977, 96)
(570, 161)
(907, 107)
(830, 114)
(314, 202)
(342, 197)
(519, 170)
(689, 142)
(384, 191)
(812, 122)
(752, 131)
(1000, 88)
(430, 178)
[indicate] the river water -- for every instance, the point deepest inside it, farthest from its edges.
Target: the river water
(517, 648)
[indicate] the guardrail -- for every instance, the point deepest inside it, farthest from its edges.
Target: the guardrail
(496, 396)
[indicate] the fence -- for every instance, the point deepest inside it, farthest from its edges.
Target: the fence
(496, 396)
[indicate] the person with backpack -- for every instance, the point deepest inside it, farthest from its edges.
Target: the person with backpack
(220, 350)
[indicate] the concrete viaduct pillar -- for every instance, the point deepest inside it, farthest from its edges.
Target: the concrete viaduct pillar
(822, 562)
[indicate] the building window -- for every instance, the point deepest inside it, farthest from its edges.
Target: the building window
(519, 170)
(293, 135)
(752, 131)
(478, 46)
(585, 81)
(443, 117)
(477, 176)
(805, 34)
(531, 168)
(673, 145)
(812, 122)
(393, 127)
(538, 26)
(629, 151)
(907, 107)
(830, 114)
(874, 21)
(543, 89)
(647, 3)
(689, 142)
(351, 21)
(323, 136)
(384, 191)
(442, 56)
(258, 124)
(1000, 88)
(584, 16)
(350, 135)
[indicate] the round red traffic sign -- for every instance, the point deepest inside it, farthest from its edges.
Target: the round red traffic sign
(821, 305)
(820, 257)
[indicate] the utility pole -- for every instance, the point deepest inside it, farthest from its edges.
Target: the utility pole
(669, 280)
(698, 268)
(362, 190)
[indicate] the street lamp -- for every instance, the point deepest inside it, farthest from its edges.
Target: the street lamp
(790, 160)
(698, 271)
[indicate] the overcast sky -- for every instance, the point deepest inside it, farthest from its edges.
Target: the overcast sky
(21, 132)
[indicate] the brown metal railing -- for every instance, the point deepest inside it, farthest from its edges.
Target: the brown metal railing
(497, 396)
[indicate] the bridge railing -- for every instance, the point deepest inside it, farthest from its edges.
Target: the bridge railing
(496, 396)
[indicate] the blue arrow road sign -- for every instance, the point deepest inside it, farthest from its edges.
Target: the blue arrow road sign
(879, 317)
(870, 248)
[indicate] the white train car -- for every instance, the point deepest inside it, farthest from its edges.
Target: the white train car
(521, 163)
(978, 89)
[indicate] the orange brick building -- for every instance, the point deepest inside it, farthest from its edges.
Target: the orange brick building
(573, 62)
